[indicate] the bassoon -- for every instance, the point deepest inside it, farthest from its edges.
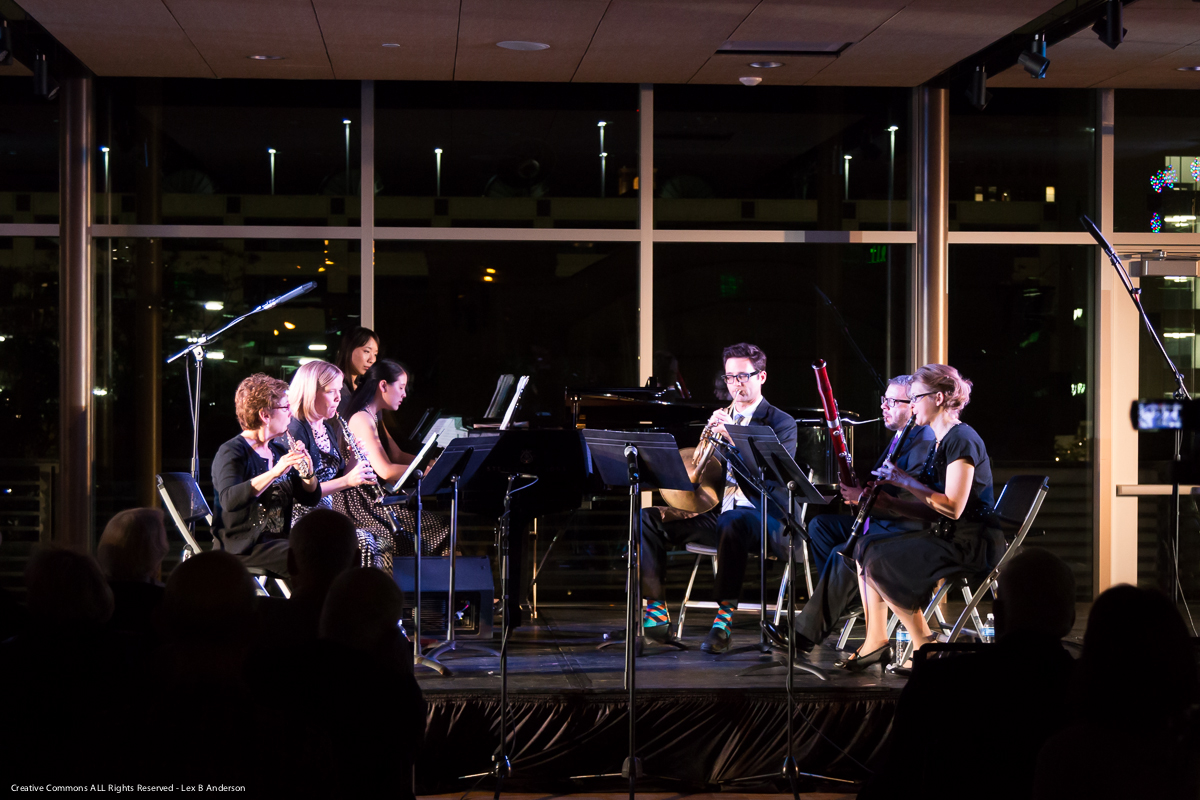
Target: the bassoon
(833, 420)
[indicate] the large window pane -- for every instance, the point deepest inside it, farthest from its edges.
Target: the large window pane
(198, 152)
(28, 399)
(511, 155)
(1174, 307)
(28, 154)
(798, 158)
(1020, 323)
(460, 314)
(1157, 161)
(200, 285)
(1026, 163)
(709, 296)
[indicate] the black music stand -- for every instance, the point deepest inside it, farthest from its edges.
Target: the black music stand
(641, 461)
(759, 456)
(458, 464)
(515, 455)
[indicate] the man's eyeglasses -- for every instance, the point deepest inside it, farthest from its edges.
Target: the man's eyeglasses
(741, 377)
(890, 402)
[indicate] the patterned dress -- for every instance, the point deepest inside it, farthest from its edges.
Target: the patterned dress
(361, 507)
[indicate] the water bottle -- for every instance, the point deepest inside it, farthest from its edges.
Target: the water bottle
(989, 629)
(903, 637)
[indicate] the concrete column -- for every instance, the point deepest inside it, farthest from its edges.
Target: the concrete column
(931, 205)
(73, 514)
(1116, 333)
(646, 229)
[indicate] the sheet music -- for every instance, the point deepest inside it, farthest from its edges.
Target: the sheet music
(446, 429)
(516, 400)
(421, 460)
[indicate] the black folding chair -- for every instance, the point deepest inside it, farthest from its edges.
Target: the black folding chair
(186, 505)
(1018, 506)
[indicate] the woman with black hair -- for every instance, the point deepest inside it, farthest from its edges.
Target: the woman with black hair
(384, 386)
(359, 350)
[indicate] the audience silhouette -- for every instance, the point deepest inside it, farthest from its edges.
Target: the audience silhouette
(996, 706)
(1135, 696)
(130, 553)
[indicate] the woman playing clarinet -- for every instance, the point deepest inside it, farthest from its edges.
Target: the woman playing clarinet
(314, 394)
(384, 386)
(953, 493)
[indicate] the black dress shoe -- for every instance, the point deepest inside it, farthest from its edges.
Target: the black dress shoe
(659, 634)
(860, 661)
(779, 638)
(716, 642)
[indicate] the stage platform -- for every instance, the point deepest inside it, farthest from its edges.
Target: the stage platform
(701, 725)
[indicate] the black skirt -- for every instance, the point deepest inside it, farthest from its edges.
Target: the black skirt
(905, 567)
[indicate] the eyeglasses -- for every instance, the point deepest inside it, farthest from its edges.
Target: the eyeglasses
(890, 402)
(741, 377)
(917, 397)
(281, 408)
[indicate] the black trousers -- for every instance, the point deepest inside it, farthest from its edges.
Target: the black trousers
(658, 537)
(270, 555)
(739, 530)
(835, 595)
(825, 532)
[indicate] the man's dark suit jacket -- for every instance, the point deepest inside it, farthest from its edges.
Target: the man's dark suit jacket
(785, 431)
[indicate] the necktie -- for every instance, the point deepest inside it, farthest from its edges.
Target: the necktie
(729, 500)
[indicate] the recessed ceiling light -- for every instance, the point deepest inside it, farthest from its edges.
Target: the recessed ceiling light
(265, 58)
(523, 45)
(766, 64)
(1187, 69)
(751, 80)
(391, 44)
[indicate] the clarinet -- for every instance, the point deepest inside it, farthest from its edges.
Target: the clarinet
(868, 503)
(373, 490)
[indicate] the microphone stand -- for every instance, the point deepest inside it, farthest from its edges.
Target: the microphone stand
(199, 349)
(1180, 393)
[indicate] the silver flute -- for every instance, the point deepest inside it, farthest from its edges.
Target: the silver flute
(305, 469)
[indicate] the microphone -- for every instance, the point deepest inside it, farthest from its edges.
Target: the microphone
(283, 298)
(631, 454)
(1098, 236)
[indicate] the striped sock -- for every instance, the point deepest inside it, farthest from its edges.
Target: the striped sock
(724, 616)
(656, 614)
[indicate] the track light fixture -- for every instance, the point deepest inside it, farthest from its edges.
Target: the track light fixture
(1108, 27)
(6, 53)
(43, 85)
(977, 93)
(1034, 59)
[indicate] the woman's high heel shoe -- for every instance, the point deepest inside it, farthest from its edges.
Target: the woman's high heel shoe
(858, 663)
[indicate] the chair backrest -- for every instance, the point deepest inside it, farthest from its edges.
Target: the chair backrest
(184, 503)
(1021, 500)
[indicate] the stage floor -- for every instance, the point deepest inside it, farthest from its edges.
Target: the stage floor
(558, 653)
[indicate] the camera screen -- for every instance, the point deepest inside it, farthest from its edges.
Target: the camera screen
(1158, 416)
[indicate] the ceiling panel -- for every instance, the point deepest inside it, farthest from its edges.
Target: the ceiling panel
(356, 30)
(796, 70)
(566, 25)
(816, 20)
(659, 41)
(926, 38)
(227, 32)
(121, 37)
(1082, 62)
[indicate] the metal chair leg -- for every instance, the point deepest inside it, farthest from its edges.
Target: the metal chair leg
(846, 630)
(779, 610)
(687, 596)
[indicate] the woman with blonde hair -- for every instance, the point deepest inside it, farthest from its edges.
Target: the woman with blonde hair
(314, 394)
(953, 492)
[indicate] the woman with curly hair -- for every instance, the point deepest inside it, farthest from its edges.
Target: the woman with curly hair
(258, 479)
(953, 492)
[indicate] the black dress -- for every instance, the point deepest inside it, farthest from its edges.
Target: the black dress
(906, 566)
